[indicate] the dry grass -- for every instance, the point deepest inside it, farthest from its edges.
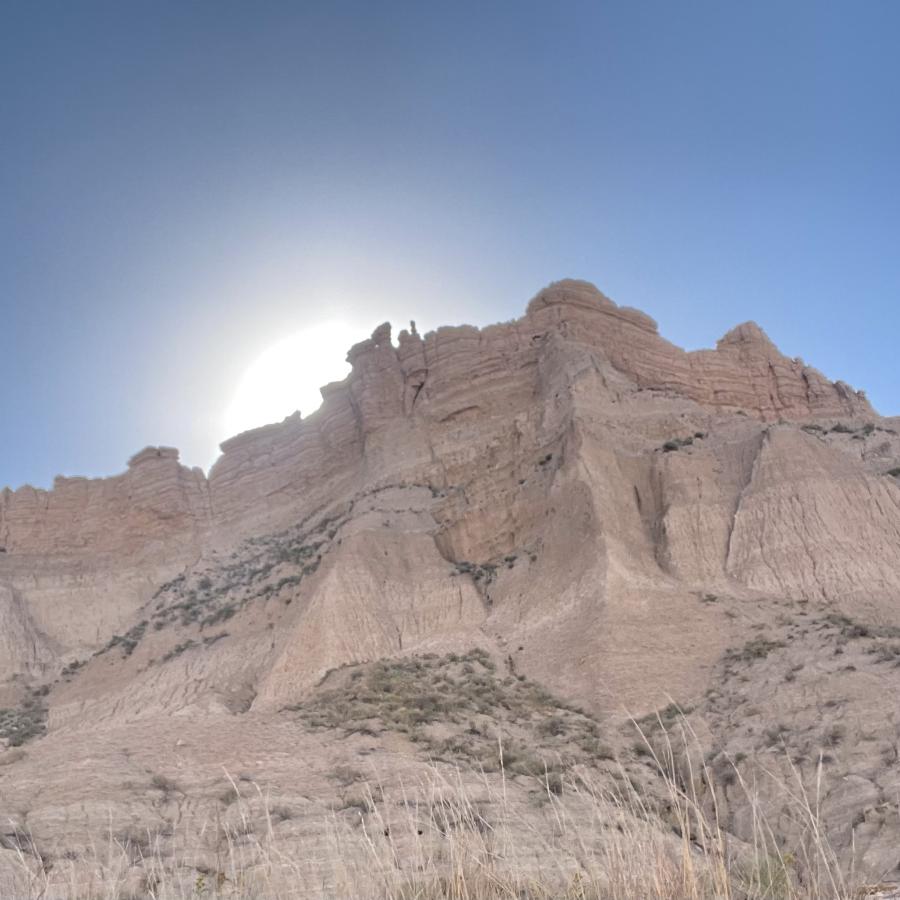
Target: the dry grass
(449, 839)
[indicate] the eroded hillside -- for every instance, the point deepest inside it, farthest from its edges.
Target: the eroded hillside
(595, 522)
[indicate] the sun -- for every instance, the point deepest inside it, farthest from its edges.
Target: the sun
(288, 375)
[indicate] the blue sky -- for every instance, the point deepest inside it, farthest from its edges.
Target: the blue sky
(183, 184)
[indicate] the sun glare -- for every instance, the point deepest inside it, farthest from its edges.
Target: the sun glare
(288, 375)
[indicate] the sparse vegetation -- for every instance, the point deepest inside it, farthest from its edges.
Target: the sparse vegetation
(222, 614)
(260, 568)
(663, 719)
(71, 668)
(850, 629)
(756, 649)
(775, 734)
(126, 642)
(859, 433)
(164, 784)
(481, 573)
(178, 649)
(677, 444)
(455, 708)
(885, 652)
(23, 723)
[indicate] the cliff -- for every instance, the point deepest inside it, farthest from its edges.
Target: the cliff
(562, 491)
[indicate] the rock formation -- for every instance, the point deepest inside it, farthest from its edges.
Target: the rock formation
(561, 491)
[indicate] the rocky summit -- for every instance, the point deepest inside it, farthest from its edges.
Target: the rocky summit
(552, 549)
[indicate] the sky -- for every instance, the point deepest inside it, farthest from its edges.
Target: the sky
(186, 187)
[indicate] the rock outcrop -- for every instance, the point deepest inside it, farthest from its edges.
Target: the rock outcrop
(573, 433)
(563, 491)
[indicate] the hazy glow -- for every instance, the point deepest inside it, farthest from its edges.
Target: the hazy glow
(287, 377)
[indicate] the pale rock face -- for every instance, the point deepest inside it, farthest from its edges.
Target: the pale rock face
(472, 413)
(156, 500)
(85, 555)
(810, 521)
(24, 649)
(562, 490)
(572, 401)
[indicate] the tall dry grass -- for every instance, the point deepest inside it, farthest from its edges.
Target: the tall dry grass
(449, 838)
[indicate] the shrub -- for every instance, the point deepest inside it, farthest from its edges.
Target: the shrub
(885, 652)
(676, 444)
(126, 642)
(72, 667)
(178, 649)
(223, 614)
(164, 784)
(20, 725)
(758, 648)
(553, 726)
(775, 734)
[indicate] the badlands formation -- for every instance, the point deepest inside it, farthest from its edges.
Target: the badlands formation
(567, 511)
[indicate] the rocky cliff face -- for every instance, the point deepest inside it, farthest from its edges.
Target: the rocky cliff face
(563, 490)
(453, 374)
(497, 422)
